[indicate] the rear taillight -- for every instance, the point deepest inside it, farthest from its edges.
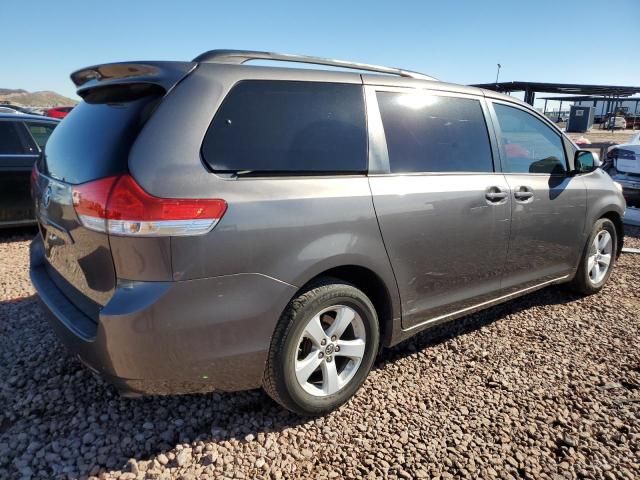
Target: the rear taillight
(34, 176)
(119, 206)
(33, 183)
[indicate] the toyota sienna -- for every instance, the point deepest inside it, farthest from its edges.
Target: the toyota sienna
(211, 225)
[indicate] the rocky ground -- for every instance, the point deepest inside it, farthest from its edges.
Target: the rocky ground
(547, 386)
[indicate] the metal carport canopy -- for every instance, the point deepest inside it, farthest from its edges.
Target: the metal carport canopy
(531, 88)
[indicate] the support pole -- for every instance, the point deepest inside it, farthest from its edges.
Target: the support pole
(529, 96)
(560, 111)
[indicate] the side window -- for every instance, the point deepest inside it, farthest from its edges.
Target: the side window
(427, 133)
(10, 141)
(527, 144)
(40, 132)
(295, 127)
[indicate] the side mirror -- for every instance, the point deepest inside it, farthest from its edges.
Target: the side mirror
(585, 161)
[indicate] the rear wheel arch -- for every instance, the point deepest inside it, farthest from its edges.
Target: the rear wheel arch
(371, 284)
(304, 347)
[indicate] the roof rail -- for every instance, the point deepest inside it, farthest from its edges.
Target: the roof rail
(242, 56)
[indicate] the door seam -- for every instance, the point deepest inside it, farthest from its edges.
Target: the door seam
(506, 257)
(384, 245)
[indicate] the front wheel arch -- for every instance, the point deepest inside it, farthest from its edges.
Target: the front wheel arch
(581, 283)
(616, 219)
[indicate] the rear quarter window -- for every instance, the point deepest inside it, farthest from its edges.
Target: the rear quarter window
(40, 132)
(288, 127)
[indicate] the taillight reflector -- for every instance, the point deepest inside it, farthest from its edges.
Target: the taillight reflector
(119, 206)
(34, 177)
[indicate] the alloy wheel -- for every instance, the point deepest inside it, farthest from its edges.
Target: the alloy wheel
(330, 350)
(599, 261)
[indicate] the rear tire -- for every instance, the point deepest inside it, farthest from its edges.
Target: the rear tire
(322, 349)
(598, 258)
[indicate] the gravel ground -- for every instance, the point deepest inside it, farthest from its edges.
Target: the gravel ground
(596, 135)
(547, 386)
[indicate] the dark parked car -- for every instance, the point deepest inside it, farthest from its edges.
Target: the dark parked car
(212, 225)
(58, 112)
(22, 138)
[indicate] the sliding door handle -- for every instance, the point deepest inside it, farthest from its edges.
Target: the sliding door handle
(523, 193)
(495, 194)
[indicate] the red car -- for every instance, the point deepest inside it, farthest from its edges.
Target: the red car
(58, 112)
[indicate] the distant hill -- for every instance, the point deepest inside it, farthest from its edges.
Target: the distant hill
(34, 99)
(7, 91)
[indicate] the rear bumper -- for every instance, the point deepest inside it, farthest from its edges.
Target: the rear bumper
(17, 223)
(172, 337)
(630, 188)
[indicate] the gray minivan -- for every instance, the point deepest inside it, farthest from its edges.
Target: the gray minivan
(210, 225)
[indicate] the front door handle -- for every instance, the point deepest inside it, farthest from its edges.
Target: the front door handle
(523, 193)
(495, 194)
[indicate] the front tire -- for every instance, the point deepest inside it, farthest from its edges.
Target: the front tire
(322, 349)
(598, 258)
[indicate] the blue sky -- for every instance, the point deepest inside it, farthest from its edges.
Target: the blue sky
(578, 41)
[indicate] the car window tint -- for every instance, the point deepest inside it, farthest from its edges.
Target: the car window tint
(95, 138)
(282, 126)
(40, 132)
(429, 133)
(10, 142)
(527, 144)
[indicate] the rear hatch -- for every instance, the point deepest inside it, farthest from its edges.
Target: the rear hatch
(627, 160)
(623, 165)
(93, 143)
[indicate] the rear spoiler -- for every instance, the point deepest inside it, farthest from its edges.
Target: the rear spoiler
(162, 74)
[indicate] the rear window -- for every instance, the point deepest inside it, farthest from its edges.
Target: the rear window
(292, 127)
(94, 139)
(10, 142)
